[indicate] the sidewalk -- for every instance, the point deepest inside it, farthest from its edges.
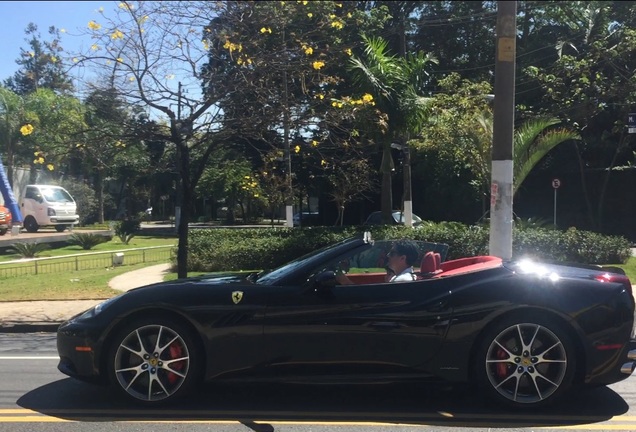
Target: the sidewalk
(39, 316)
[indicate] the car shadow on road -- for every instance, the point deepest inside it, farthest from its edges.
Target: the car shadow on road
(261, 406)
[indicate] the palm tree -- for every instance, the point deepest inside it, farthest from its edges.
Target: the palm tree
(397, 85)
(532, 141)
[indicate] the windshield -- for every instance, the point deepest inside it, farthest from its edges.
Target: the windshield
(317, 256)
(399, 217)
(56, 195)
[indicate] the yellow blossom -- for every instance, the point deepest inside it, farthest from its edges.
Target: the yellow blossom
(297, 149)
(132, 78)
(305, 2)
(339, 5)
(337, 24)
(31, 53)
(348, 51)
(367, 97)
(256, 195)
(120, 60)
(54, 59)
(310, 15)
(50, 167)
(117, 35)
(318, 65)
(75, 59)
(124, 6)
(27, 129)
(266, 30)
(94, 47)
(94, 26)
(332, 16)
(39, 160)
(349, 15)
(309, 50)
(314, 143)
(63, 30)
(323, 162)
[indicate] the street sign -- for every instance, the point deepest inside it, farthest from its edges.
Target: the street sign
(631, 123)
(556, 183)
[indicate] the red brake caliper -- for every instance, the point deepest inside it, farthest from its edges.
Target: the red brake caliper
(502, 368)
(176, 351)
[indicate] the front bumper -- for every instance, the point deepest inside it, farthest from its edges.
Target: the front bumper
(80, 352)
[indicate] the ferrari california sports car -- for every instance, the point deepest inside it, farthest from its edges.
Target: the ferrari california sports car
(524, 332)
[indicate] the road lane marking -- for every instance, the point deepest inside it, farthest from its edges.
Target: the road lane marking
(618, 423)
(29, 357)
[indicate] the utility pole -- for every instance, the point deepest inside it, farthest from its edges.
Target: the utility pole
(503, 131)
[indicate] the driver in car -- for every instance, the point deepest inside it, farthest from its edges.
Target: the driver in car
(401, 259)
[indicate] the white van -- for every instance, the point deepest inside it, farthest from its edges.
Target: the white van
(47, 205)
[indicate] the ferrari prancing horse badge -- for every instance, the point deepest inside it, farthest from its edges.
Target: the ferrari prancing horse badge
(237, 296)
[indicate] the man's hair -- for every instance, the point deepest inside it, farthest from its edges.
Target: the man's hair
(407, 248)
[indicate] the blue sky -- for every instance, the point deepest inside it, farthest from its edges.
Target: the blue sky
(68, 15)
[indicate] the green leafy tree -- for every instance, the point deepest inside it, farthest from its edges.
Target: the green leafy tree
(398, 85)
(41, 65)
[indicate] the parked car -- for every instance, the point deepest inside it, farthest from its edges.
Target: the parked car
(47, 205)
(6, 220)
(524, 332)
(307, 219)
(398, 216)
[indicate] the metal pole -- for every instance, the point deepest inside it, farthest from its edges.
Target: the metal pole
(503, 130)
(555, 206)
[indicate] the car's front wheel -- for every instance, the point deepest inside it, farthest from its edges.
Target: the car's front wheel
(154, 361)
(526, 362)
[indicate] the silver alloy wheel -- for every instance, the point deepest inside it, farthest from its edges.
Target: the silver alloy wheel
(526, 363)
(152, 363)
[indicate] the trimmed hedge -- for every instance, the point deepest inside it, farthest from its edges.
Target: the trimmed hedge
(231, 249)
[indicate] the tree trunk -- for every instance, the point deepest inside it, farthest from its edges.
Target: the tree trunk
(100, 196)
(186, 199)
(387, 192)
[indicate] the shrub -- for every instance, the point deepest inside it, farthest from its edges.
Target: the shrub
(87, 241)
(263, 248)
(29, 250)
(126, 229)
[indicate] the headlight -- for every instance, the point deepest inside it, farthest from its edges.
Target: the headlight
(96, 310)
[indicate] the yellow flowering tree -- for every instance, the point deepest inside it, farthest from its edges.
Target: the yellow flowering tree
(288, 59)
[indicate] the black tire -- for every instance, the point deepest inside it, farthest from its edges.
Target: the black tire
(3, 231)
(154, 361)
(60, 228)
(31, 225)
(525, 361)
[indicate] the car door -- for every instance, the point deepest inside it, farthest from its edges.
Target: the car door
(356, 329)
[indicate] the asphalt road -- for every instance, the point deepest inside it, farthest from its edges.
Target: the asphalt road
(34, 397)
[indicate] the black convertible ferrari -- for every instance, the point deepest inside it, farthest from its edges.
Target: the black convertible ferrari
(524, 332)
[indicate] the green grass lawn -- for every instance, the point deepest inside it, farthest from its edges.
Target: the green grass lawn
(76, 285)
(113, 245)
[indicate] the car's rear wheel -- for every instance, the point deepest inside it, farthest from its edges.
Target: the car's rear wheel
(526, 362)
(154, 361)
(60, 228)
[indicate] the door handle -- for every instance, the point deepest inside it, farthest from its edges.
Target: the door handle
(385, 325)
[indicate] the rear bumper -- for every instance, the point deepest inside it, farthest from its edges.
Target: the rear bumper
(629, 366)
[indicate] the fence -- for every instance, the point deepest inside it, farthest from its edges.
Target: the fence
(86, 261)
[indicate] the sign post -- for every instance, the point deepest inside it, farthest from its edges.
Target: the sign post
(556, 183)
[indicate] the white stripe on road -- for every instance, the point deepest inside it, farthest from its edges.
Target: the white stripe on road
(29, 357)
